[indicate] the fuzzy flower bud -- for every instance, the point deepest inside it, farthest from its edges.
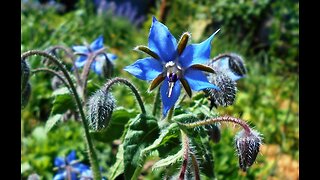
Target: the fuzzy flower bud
(236, 64)
(100, 108)
(247, 146)
(25, 95)
(227, 94)
(25, 74)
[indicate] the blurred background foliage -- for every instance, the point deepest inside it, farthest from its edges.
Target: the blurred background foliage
(264, 32)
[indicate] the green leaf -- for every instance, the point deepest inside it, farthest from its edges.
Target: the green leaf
(165, 136)
(118, 166)
(115, 129)
(52, 121)
(142, 132)
(63, 101)
(168, 160)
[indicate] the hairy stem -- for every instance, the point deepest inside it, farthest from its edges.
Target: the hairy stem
(156, 103)
(91, 152)
(185, 146)
(170, 114)
(86, 70)
(195, 166)
(238, 121)
(55, 73)
(116, 80)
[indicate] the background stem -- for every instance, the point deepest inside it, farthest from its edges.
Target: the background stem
(91, 152)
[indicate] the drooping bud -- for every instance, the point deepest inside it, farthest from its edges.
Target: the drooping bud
(100, 108)
(25, 74)
(247, 146)
(25, 95)
(227, 93)
(230, 64)
(214, 133)
(237, 65)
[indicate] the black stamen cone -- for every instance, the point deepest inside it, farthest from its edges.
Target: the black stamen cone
(247, 146)
(227, 93)
(100, 108)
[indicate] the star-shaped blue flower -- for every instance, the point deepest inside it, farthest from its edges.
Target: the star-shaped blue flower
(171, 63)
(68, 167)
(94, 47)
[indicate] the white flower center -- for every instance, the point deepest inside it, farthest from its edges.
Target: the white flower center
(174, 73)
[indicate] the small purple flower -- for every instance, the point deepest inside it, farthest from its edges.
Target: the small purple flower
(68, 167)
(86, 51)
(172, 63)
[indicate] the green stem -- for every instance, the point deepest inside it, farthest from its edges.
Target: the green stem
(156, 103)
(55, 73)
(91, 152)
(113, 81)
(170, 114)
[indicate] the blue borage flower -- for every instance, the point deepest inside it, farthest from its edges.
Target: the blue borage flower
(68, 166)
(171, 63)
(85, 51)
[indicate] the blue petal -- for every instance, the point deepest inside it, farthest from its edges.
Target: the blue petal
(81, 61)
(168, 102)
(81, 167)
(111, 57)
(196, 53)
(145, 69)
(222, 65)
(97, 66)
(58, 161)
(161, 41)
(60, 176)
(74, 176)
(197, 80)
(71, 156)
(87, 173)
(97, 44)
(81, 49)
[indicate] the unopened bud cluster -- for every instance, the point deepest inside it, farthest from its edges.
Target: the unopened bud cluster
(228, 69)
(227, 93)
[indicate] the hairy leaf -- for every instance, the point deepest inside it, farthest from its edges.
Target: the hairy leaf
(52, 121)
(169, 160)
(63, 101)
(142, 132)
(118, 166)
